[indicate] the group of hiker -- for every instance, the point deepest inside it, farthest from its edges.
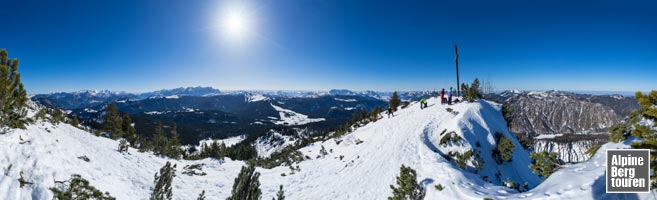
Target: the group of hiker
(445, 98)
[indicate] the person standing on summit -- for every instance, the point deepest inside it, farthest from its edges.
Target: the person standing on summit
(449, 96)
(442, 96)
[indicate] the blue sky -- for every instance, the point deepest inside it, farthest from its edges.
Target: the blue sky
(318, 44)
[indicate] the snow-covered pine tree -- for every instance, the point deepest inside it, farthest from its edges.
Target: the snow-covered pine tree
(408, 187)
(394, 101)
(247, 185)
(12, 94)
(162, 188)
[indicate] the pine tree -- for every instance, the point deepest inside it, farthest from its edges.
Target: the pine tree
(129, 131)
(408, 187)
(162, 188)
(78, 188)
(57, 116)
(544, 163)
(12, 94)
(160, 142)
(247, 185)
(174, 144)
(112, 121)
(394, 101)
(75, 121)
(280, 195)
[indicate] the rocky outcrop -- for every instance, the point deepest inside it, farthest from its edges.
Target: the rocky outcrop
(570, 150)
(578, 119)
(556, 113)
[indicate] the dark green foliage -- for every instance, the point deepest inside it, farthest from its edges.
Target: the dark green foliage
(163, 180)
(174, 144)
(462, 159)
(214, 150)
(503, 151)
(75, 121)
(78, 188)
(545, 163)
(407, 186)
(449, 110)
(405, 104)
(439, 187)
(280, 195)
(160, 141)
(472, 92)
(394, 101)
(644, 132)
(488, 198)
(57, 116)
(450, 137)
(201, 196)
(22, 180)
(12, 94)
(618, 133)
(648, 103)
(194, 170)
(112, 121)
(591, 151)
(247, 185)
(129, 132)
(41, 115)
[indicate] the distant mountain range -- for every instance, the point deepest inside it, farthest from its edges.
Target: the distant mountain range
(203, 112)
(91, 98)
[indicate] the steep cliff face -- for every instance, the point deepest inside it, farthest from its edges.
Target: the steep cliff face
(569, 149)
(554, 112)
(562, 122)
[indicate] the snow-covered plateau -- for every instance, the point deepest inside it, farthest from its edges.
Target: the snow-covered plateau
(360, 165)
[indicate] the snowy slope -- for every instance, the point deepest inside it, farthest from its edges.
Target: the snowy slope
(365, 171)
(48, 156)
(584, 180)
(409, 138)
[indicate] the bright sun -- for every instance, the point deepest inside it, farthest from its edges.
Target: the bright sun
(237, 23)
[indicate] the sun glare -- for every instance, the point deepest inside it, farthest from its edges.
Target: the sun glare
(237, 23)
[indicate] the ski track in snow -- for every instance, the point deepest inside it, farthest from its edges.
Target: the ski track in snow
(367, 170)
